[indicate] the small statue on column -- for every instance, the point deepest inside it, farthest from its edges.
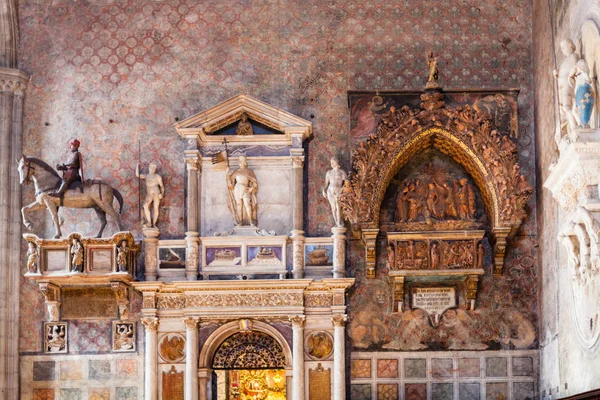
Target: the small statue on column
(155, 191)
(76, 256)
(334, 181)
(242, 187)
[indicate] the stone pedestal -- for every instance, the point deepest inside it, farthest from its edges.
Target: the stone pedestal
(151, 253)
(191, 360)
(297, 254)
(192, 244)
(339, 357)
(339, 251)
(298, 357)
(150, 359)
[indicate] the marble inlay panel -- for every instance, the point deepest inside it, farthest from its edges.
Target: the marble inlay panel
(415, 368)
(360, 369)
(44, 370)
(441, 391)
(415, 391)
(468, 367)
(496, 390)
(496, 367)
(127, 368)
(387, 391)
(387, 368)
(126, 393)
(70, 370)
(469, 391)
(522, 366)
(99, 394)
(360, 392)
(71, 394)
(99, 369)
(43, 394)
(441, 367)
(523, 390)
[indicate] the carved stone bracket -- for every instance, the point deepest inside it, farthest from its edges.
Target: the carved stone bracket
(467, 135)
(51, 293)
(121, 291)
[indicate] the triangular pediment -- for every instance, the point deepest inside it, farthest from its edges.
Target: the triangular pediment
(207, 125)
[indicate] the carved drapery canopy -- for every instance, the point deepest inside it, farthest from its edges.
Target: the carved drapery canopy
(466, 134)
(249, 350)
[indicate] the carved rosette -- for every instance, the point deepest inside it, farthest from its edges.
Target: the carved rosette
(151, 324)
(339, 321)
(464, 133)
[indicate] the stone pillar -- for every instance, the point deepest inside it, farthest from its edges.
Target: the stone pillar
(339, 251)
(297, 233)
(191, 358)
(192, 244)
(339, 357)
(150, 360)
(298, 357)
(151, 253)
(203, 379)
(12, 93)
(192, 241)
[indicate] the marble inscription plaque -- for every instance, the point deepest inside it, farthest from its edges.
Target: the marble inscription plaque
(56, 260)
(319, 383)
(434, 300)
(88, 303)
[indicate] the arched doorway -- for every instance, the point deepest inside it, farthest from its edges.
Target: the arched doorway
(245, 364)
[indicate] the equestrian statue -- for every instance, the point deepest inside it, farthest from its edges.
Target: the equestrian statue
(70, 191)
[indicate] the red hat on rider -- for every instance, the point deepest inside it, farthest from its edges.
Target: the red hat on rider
(75, 143)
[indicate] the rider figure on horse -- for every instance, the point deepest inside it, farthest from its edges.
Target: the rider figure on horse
(70, 169)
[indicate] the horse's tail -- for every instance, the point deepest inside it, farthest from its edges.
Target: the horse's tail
(119, 197)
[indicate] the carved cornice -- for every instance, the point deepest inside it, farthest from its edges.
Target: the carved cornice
(14, 81)
(465, 134)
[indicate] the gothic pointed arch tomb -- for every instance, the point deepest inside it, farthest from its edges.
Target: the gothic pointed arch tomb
(468, 134)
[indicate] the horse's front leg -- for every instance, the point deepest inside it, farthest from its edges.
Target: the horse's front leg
(53, 209)
(35, 206)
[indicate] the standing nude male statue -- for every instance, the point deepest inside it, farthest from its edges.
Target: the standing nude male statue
(242, 186)
(334, 181)
(155, 191)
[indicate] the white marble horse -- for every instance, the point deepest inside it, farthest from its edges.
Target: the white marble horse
(96, 194)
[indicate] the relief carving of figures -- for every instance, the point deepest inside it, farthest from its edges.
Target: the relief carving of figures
(124, 336)
(32, 258)
(76, 252)
(155, 191)
(368, 319)
(334, 181)
(565, 91)
(242, 186)
(434, 254)
(244, 128)
(579, 78)
(56, 338)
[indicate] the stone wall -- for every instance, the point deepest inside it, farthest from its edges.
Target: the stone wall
(566, 366)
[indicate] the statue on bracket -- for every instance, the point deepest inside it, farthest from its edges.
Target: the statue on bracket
(432, 63)
(32, 258)
(155, 191)
(334, 181)
(584, 92)
(242, 186)
(565, 91)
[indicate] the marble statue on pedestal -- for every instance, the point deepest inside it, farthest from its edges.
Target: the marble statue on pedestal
(155, 191)
(32, 258)
(76, 256)
(565, 91)
(122, 251)
(242, 187)
(579, 78)
(334, 181)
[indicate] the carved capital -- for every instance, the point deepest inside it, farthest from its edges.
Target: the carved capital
(191, 324)
(13, 81)
(297, 321)
(193, 164)
(298, 162)
(151, 324)
(339, 321)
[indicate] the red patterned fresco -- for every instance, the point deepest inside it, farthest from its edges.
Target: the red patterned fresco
(120, 73)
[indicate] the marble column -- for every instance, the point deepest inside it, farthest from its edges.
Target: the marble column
(191, 358)
(151, 253)
(150, 358)
(339, 357)
(192, 241)
(339, 251)
(12, 93)
(298, 357)
(297, 233)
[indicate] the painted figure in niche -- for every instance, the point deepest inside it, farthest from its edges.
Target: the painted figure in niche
(76, 256)
(244, 128)
(242, 186)
(32, 258)
(70, 169)
(565, 91)
(155, 191)
(122, 252)
(411, 328)
(334, 181)
(367, 325)
(461, 333)
(579, 78)
(368, 115)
